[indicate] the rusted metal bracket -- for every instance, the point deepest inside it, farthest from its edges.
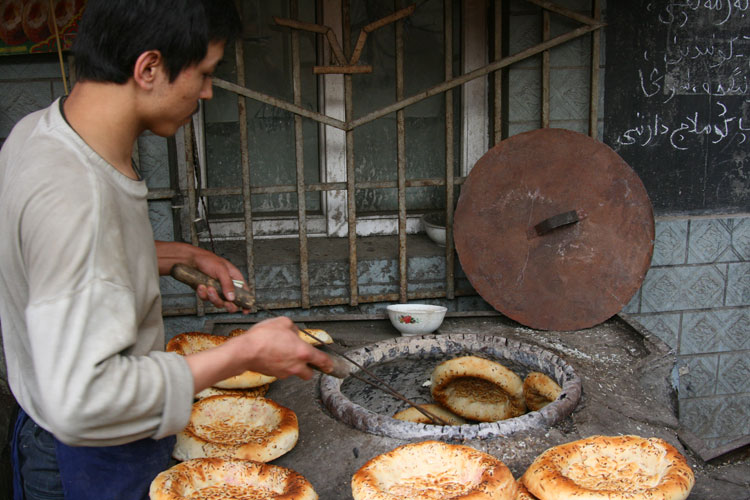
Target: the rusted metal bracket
(343, 65)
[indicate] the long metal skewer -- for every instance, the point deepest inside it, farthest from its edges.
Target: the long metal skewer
(383, 385)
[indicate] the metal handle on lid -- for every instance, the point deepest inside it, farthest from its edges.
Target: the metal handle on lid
(559, 220)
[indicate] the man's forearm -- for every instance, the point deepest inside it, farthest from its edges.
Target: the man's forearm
(170, 253)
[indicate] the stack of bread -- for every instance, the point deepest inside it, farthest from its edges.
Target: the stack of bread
(231, 426)
(248, 383)
(471, 389)
(232, 433)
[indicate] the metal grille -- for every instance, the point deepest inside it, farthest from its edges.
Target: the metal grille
(589, 26)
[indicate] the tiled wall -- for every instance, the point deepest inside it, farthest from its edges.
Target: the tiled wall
(696, 298)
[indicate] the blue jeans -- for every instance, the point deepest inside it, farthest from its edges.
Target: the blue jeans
(46, 469)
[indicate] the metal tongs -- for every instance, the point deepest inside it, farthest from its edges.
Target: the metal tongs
(341, 368)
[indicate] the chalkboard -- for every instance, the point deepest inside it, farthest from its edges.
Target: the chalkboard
(677, 100)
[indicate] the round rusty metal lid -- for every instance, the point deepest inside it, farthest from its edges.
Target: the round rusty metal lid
(554, 230)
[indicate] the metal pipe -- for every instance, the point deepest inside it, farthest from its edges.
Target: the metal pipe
(165, 194)
(279, 103)
(175, 193)
(545, 70)
(192, 201)
(449, 150)
(401, 161)
(245, 163)
(295, 304)
(304, 279)
(553, 7)
(350, 167)
(594, 85)
(312, 317)
(497, 80)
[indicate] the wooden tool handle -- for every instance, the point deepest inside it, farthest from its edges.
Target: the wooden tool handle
(194, 277)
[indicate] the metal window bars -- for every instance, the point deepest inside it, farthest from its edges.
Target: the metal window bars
(589, 25)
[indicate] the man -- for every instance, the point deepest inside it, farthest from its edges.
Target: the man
(79, 292)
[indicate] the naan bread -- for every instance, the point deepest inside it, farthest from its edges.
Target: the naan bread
(411, 414)
(255, 392)
(219, 479)
(478, 389)
(191, 342)
(237, 427)
(432, 470)
(611, 468)
(523, 493)
(539, 390)
(319, 334)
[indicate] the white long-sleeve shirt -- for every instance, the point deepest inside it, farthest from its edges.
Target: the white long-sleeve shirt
(79, 293)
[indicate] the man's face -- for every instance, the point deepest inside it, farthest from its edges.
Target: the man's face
(177, 101)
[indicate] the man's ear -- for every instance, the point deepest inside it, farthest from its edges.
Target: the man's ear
(147, 68)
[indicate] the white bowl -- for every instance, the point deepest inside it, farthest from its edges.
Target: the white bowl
(416, 319)
(434, 226)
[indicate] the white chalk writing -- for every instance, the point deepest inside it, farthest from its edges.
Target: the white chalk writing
(678, 13)
(703, 55)
(681, 133)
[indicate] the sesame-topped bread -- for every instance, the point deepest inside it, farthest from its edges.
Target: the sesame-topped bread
(237, 427)
(221, 479)
(411, 414)
(432, 470)
(610, 468)
(539, 390)
(191, 342)
(478, 389)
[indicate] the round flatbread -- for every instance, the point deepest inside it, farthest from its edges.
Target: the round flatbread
(478, 389)
(220, 479)
(523, 493)
(191, 342)
(431, 470)
(255, 392)
(319, 334)
(611, 468)
(411, 414)
(237, 427)
(539, 390)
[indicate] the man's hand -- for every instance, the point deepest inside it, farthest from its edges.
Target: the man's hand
(222, 270)
(171, 253)
(271, 347)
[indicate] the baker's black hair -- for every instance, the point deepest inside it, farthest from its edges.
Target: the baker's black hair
(113, 33)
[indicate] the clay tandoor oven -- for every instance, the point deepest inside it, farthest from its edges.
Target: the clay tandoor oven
(406, 363)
